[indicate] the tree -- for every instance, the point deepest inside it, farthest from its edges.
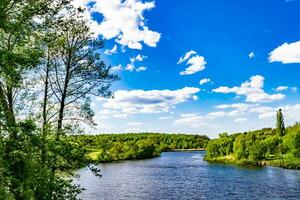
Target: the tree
(78, 72)
(280, 123)
(29, 161)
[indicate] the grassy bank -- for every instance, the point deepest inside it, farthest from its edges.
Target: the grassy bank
(287, 163)
(231, 159)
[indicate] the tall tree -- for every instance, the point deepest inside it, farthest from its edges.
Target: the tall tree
(280, 123)
(20, 50)
(78, 71)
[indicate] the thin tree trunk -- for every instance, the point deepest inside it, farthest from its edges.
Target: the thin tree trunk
(45, 102)
(64, 95)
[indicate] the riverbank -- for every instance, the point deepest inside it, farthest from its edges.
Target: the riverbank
(260, 147)
(119, 147)
(287, 163)
(94, 156)
(196, 149)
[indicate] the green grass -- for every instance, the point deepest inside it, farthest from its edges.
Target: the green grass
(286, 162)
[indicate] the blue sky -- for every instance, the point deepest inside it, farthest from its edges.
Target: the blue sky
(247, 54)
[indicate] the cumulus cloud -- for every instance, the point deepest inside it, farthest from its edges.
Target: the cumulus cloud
(116, 68)
(186, 56)
(140, 57)
(123, 21)
(281, 88)
(251, 54)
(286, 88)
(131, 66)
(111, 51)
(253, 90)
(194, 62)
(151, 101)
(204, 81)
(286, 53)
(142, 68)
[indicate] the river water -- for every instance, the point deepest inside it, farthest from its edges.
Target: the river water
(184, 175)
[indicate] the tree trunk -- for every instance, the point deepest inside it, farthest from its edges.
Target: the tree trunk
(7, 106)
(64, 95)
(45, 102)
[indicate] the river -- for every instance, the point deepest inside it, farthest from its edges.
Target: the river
(184, 175)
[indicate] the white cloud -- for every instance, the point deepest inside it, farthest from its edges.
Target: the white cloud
(253, 90)
(134, 123)
(241, 120)
(232, 110)
(290, 112)
(193, 120)
(142, 68)
(186, 56)
(140, 57)
(129, 67)
(111, 51)
(286, 88)
(194, 62)
(107, 113)
(251, 54)
(233, 113)
(122, 20)
(116, 68)
(238, 106)
(151, 101)
(286, 53)
(120, 115)
(204, 81)
(165, 117)
(263, 112)
(281, 88)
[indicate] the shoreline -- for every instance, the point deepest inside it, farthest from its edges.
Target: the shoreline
(286, 164)
(154, 156)
(178, 150)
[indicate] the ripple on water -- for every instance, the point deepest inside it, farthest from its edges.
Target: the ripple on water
(184, 175)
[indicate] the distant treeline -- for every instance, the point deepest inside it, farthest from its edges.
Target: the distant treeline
(115, 147)
(277, 147)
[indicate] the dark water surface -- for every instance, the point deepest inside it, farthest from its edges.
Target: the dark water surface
(184, 175)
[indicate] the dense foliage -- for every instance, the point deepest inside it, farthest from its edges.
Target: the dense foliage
(50, 67)
(266, 146)
(114, 147)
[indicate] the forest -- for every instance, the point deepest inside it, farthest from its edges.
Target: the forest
(277, 147)
(115, 147)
